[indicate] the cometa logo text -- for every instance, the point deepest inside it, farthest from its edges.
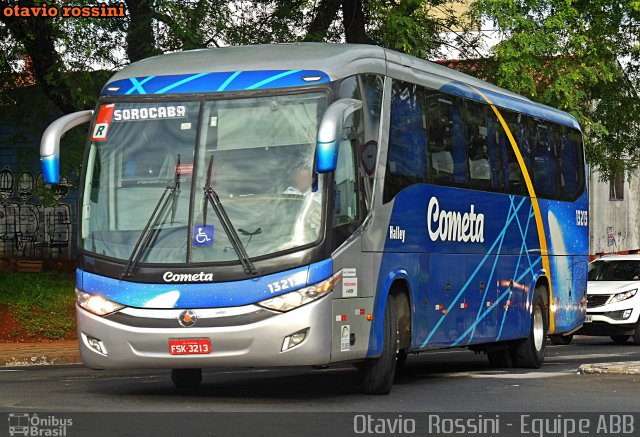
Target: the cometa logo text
(187, 277)
(454, 226)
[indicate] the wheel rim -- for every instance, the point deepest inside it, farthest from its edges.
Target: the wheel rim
(538, 328)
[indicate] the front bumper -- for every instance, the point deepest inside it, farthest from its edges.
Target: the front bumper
(598, 328)
(607, 320)
(256, 344)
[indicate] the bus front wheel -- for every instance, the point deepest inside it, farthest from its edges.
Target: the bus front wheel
(530, 351)
(378, 373)
(186, 379)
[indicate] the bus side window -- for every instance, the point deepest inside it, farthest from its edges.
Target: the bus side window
(346, 211)
(372, 89)
(345, 176)
(543, 159)
(406, 156)
(513, 177)
(447, 148)
(571, 163)
(485, 171)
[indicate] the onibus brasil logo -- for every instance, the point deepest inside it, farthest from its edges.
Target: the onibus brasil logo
(33, 425)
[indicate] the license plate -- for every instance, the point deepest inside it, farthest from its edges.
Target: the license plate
(189, 346)
(588, 318)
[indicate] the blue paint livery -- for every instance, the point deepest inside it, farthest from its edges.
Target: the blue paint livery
(214, 82)
(326, 156)
(199, 295)
(461, 291)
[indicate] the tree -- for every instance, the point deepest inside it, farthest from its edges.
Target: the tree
(580, 56)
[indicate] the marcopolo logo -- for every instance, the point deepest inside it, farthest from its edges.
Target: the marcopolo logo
(187, 277)
(453, 225)
(33, 425)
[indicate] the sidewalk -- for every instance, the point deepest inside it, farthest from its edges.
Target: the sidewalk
(619, 368)
(29, 354)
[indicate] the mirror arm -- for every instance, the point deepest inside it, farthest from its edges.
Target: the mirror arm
(50, 143)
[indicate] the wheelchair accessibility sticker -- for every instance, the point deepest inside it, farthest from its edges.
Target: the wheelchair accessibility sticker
(203, 235)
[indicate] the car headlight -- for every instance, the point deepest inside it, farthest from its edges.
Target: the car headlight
(288, 301)
(95, 304)
(623, 296)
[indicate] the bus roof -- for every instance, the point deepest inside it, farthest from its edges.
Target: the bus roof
(280, 65)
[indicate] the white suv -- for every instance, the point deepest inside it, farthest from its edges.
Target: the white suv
(613, 298)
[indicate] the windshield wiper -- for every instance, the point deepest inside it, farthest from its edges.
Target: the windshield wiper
(210, 196)
(170, 193)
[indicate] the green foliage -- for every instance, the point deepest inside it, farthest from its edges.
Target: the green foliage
(578, 56)
(581, 56)
(41, 302)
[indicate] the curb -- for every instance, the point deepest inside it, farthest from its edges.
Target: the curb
(38, 354)
(619, 368)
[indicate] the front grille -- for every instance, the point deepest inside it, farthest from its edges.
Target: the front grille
(596, 300)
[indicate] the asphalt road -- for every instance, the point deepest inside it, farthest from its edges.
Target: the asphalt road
(453, 380)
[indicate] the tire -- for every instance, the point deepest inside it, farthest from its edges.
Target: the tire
(636, 334)
(530, 352)
(186, 379)
(620, 339)
(561, 340)
(501, 359)
(378, 373)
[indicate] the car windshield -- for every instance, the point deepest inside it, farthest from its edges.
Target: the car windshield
(256, 153)
(614, 271)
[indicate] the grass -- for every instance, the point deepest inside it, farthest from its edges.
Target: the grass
(41, 302)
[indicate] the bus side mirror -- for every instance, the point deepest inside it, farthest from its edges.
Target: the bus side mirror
(330, 133)
(50, 143)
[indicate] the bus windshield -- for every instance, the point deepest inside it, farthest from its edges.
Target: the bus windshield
(255, 154)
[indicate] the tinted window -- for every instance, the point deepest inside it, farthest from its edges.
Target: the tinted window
(544, 144)
(513, 177)
(445, 140)
(571, 163)
(447, 150)
(482, 136)
(406, 156)
(614, 271)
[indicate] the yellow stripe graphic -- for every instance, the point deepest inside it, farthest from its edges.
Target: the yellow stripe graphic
(534, 202)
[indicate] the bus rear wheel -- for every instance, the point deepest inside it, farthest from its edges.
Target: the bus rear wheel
(186, 379)
(530, 351)
(378, 373)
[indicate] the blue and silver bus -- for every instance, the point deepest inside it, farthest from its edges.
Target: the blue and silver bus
(315, 204)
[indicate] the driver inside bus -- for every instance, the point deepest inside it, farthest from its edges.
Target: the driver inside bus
(302, 184)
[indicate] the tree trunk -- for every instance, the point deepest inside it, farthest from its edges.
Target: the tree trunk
(326, 13)
(141, 41)
(354, 22)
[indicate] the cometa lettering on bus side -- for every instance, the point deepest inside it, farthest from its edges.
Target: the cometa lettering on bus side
(187, 277)
(454, 226)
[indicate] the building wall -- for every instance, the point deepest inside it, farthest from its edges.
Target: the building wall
(615, 224)
(36, 220)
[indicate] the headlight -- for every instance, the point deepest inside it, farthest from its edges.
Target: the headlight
(95, 304)
(288, 301)
(623, 296)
